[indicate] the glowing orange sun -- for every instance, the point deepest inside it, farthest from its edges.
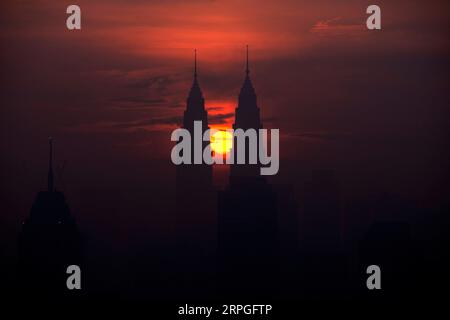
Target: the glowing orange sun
(221, 142)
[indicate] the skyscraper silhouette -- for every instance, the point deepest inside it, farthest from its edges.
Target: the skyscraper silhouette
(247, 116)
(195, 201)
(248, 232)
(49, 242)
(198, 177)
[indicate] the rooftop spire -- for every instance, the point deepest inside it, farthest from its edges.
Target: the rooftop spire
(195, 63)
(247, 71)
(50, 187)
(247, 95)
(195, 97)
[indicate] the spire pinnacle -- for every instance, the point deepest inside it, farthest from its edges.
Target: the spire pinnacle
(247, 71)
(50, 187)
(195, 63)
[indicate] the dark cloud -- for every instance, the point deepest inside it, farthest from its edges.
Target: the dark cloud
(175, 121)
(141, 101)
(220, 118)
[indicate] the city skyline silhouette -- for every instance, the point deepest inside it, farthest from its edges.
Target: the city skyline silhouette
(363, 172)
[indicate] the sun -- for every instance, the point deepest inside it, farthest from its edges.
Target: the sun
(222, 142)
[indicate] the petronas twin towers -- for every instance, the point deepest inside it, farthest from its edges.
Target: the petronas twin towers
(247, 116)
(237, 226)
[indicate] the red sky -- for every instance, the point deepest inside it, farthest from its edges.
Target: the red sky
(372, 106)
(132, 61)
(331, 86)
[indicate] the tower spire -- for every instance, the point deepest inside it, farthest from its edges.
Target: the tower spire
(247, 95)
(50, 187)
(195, 63)
(247, 71)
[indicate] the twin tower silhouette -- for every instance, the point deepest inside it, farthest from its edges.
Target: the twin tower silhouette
(231, 233)
(249, 139)
(247, 116)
